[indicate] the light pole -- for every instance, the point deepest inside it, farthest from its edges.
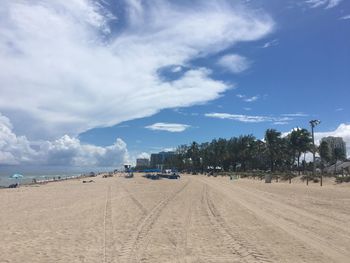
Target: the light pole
(313, 124)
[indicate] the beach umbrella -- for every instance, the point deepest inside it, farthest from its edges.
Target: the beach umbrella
(16, 176)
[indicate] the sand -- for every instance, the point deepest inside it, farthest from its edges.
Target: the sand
(194, 219)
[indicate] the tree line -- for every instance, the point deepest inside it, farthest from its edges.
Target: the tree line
(275, 153)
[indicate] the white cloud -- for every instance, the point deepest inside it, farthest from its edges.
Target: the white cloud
(251, 99)
(169, 149)
(170, 127)
(64, 70)
(247, 99)
(144, 155)
(298, 114)
(70, 151)
(13, 149)
(323, 3)
(270, 43)
(280, 123)
(66, 150)
(234, 63)
(345, 17)
(176, 69)
(247, 118)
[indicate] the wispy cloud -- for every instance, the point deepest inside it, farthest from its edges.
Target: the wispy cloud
(170, 127)
(93, 77)
(280, 123)
(251, 99)
(176, 69)
(234, 63)
(339, 109)
(248, 118)
(298, 114)
(323, 3)
(247, 99)
(270, 43)
(345, 17)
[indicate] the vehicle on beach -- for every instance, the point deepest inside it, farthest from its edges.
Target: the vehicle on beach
(151, 174)
(170, 174)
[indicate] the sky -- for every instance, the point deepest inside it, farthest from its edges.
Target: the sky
(100, 83)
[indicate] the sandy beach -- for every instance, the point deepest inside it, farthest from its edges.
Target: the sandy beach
(194, 219)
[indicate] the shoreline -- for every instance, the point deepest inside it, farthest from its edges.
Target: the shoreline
(49, 180)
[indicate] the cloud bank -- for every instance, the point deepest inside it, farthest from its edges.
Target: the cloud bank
(67, 151)
(69, 66)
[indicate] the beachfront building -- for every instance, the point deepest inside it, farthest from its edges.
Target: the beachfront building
(159, 159)
(142, 162)
(335, 143)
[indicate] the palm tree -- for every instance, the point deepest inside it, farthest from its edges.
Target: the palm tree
(273, 144)
(246, 150)
(338, 154)
(193, 154)
(260, 157)
(325, 153)
(301, 143)
(232, 152)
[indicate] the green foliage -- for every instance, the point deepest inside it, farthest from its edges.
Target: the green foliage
(300, 141)
(339, 154)
(246, 153)
(325, 152)
(274, 146)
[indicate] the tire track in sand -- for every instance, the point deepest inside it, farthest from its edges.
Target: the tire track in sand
(108, 243)
(135, 201)
(236, 243)
(134, 248)
(183, 250)
(293, 228)
(294, 210)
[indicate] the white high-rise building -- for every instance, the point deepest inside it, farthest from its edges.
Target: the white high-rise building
(335, 142)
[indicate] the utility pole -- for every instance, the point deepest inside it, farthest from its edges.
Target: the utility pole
(313, 124)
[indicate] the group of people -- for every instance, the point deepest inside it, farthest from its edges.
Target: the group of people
(14, 185)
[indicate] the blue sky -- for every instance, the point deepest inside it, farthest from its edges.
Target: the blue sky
(102, 82)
